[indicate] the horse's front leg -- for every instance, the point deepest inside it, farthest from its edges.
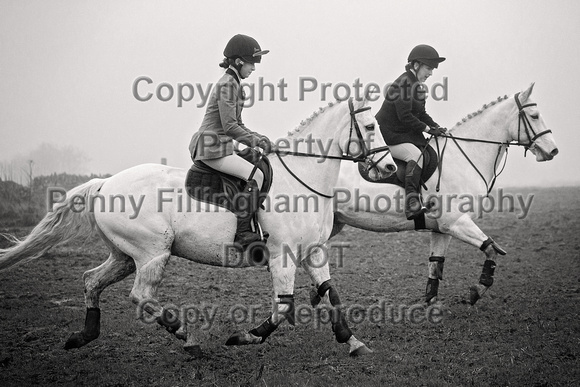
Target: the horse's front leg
(466, 230)
(491, 250)
(316, 265)
(439, 245)
(283, 271)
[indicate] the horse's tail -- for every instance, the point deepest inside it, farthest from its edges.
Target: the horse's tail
(60, 225)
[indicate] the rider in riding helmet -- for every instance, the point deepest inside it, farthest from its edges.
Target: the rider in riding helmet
(222, 123)
(403, 120)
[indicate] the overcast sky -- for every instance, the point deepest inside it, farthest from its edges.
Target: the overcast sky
(67, 69)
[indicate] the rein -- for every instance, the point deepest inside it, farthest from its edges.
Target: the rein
(488, 186)
(363, 157)
(300, 180)
(522, 118)
(353, 125)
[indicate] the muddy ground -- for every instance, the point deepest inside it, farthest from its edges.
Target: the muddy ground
(525, 331)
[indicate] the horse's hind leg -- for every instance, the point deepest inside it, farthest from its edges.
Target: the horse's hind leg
(114, 269)
(439, 245)
(144, 294)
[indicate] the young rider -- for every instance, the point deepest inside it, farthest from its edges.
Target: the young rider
(403, 120)
(222, 123)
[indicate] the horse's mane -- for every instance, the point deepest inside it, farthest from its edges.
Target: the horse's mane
(304, 123)
(483, 108)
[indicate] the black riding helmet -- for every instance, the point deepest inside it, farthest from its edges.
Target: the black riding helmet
(425, 54)
(245, 47)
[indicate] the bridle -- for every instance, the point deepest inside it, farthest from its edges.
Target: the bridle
(366, 155)
(365, 152)
(523, 121)
(529, 131)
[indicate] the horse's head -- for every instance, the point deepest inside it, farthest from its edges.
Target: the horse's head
(365, 141)
(530, 130)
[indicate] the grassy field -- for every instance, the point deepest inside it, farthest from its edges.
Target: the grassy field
(524, 332)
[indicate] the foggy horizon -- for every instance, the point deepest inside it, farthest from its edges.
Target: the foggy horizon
(67, 71)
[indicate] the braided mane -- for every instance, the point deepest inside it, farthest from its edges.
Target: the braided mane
(304, 123)
(487, 105)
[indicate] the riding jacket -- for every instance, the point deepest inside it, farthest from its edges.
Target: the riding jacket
(222, 122)
(402, 117)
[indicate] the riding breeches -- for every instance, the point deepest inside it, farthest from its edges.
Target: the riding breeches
(407, 152)
(236, 166)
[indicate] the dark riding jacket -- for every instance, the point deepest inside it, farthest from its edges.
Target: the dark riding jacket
(222, 122)
(402, 117)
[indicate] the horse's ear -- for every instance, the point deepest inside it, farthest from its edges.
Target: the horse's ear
(526, 94)
(357, 103)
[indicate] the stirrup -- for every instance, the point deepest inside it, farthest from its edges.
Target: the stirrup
(410, 214)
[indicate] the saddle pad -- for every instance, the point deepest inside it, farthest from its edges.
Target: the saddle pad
(208, 185)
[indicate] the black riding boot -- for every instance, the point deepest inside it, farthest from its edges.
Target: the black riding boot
(246, 204)
(244, 234)
(413, 205)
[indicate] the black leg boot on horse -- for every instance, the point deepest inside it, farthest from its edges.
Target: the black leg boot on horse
(414, 207)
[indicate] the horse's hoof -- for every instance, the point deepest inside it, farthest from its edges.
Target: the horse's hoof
(76, 340)
(237, 339)
(193, 350)
(360, 351)
(181, 334)
(314, 298)
(241, 338)
(473, 295)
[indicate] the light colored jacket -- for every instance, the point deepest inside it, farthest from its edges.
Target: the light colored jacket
(222, 122)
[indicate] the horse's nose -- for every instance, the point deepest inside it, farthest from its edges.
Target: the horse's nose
(554, 152)
(392, 168)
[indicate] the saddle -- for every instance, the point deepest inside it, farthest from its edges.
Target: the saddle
(430, 162)
(209, 185)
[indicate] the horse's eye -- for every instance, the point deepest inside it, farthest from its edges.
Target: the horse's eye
(370, 127)
(535, 116)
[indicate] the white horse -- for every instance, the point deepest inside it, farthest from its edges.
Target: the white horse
(142, 240)
(469, 159)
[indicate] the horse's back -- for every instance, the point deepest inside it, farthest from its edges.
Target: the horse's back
(145, 211)
(156, 173)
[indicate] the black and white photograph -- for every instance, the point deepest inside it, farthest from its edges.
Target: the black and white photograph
(306, 193)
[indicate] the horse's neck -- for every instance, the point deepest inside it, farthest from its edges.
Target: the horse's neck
(492, 125)
(320, 134)
(319, 137)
